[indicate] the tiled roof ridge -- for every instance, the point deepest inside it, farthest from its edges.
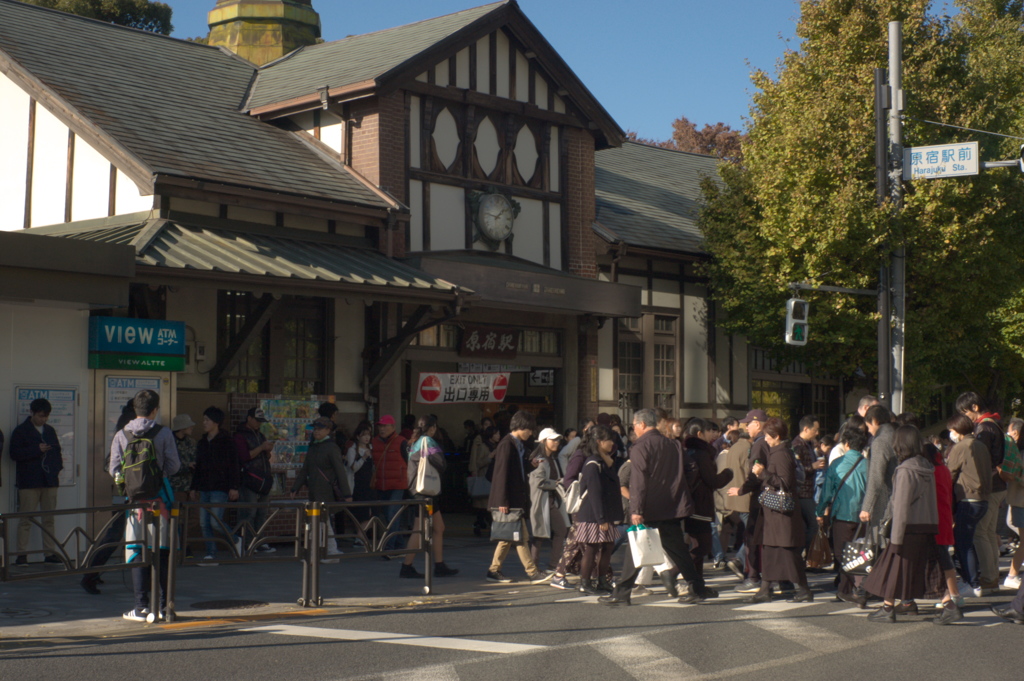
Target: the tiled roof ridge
(385, 30)
(106, 24)
(674, 151)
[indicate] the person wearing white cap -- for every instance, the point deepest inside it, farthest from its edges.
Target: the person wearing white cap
(548, 519)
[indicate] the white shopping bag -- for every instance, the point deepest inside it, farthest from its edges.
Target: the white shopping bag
(645, 544)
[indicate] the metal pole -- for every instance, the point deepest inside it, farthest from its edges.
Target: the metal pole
(899, 279)
(882, 192)
(314, 551)
(172, 560)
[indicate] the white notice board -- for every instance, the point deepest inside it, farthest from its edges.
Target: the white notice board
(64, 400)
(120, 389)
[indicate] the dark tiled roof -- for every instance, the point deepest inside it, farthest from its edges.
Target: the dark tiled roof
(172, 104)
(356, 58)
(281, 253)
(649, 197)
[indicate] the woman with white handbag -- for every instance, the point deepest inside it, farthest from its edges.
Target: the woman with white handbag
(426, 463)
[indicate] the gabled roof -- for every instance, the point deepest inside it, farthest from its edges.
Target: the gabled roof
(212, 246)
(161, 105)
(377, 61)
(649, 197)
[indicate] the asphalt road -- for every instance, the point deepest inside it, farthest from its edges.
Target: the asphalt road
(519, 632)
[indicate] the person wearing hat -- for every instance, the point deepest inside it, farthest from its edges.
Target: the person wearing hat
(755, 450)
(255, 454)
(390, 471)
(548, 519)
(181, 482)
(323, 472)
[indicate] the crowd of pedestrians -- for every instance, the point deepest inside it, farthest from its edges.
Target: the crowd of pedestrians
(745, 497)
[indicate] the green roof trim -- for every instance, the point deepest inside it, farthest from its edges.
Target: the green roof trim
(650, 197)
(281, 253)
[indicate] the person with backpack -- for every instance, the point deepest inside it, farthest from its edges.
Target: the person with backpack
(35, 449)
(255, 454)
(142, 455)
(215, 480)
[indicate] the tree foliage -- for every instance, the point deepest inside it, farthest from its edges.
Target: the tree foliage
(802, 205)
(142, 14)
(714, 140)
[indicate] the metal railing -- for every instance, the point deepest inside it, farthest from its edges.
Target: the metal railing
(242, 540)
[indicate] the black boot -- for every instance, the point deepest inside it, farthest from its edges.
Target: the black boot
(763, 595)
(803, 595)
(668, 579)
(587, 587)
(615, 599)
(604, 586)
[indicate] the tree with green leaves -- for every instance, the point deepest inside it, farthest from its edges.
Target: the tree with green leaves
(142, 14)
(801, 207)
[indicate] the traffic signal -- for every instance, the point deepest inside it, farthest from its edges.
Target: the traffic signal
(796, 321)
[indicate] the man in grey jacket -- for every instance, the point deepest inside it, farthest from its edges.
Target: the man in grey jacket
(659, 498)
(881, 465)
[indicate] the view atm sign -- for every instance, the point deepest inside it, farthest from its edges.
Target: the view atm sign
(136, 344)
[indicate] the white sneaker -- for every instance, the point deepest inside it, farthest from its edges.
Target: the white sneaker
(1011, 582)
(239, 547)
(333, 550)
(965, 590)
(208, 561)
(134, 615)
(266, 548)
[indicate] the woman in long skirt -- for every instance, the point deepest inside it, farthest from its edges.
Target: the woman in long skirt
(899, 574)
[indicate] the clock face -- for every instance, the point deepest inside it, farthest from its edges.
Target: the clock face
(495, 217)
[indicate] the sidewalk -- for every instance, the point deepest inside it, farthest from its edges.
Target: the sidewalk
(59, 607)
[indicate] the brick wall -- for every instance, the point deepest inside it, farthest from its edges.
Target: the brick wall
(579, 204)
(378, 153)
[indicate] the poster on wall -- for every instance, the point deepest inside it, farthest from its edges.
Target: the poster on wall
(120, 389)
(288, 427)
(64, 401)
(436, 388)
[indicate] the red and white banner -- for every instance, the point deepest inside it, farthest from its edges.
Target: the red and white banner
(433, 388)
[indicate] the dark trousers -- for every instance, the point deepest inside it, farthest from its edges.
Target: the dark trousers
(1018, 601)
(842, 532)
(753, 561)
(676, 548)
(810, 516)
(701, 551)
(114, 535)
(966, 518)
(141, 583)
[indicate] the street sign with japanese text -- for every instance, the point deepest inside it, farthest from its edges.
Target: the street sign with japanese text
(942, 160)
(489, 341)
(437, 388)
(138, 344)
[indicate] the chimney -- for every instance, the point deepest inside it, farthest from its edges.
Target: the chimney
(263, 30)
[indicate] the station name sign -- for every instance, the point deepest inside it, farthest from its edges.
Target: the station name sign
(941, 160)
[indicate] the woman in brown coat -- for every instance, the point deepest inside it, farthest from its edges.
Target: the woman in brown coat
(781, 553)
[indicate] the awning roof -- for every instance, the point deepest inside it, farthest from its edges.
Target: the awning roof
(499, 280)
(258, 250)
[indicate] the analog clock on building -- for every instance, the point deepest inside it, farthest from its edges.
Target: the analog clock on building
(494, 215)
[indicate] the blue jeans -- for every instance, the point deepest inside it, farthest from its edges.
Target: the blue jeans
(965, 521)
(741, 555)
(389, 512)
(210, 528)
(716, 543)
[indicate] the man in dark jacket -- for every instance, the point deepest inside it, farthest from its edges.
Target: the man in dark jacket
(804, 446)
(659, 497)
(989, 432)
(881, 465)
(35, 449)
(510, 488)
(254, 457)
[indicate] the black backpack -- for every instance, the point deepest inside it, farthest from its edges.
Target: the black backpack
(142, 476)
(257, 476)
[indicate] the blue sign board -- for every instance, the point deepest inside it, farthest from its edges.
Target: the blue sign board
(146, 344)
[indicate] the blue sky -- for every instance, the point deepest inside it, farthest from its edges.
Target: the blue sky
(647, 61)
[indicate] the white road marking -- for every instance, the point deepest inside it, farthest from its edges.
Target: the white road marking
(773, 606)
(851, 611)
(443, 672)
(645, 661)
(798, 631)
(579, 599)
(471, 645)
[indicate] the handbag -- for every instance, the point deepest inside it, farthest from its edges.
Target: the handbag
(819, 555)
(428, 480)
(478, 486)
(777, 500)
(507, 526)
(335, 487)
(860, 553)
(257, 477)
(645, 545)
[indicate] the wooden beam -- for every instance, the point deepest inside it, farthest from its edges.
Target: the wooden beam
(254, 324)
(392, 348)
(482, 185)
(31, 156)
(462, 96)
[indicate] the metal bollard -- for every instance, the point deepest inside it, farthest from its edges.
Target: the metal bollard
(153, 545)
(172, 560)
(315, 552)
